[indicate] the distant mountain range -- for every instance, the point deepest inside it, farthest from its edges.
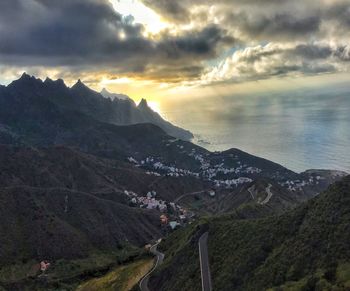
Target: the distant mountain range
(106, 107)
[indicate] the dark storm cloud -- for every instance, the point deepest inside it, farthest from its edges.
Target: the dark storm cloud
(312, 51)
(279, 25)
(66, 30)
(306, 36)
(302, 51)
(340, 12)
(86, 33)
(269, 19)
(194, 43)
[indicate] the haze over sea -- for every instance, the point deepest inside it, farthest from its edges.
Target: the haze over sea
(300, 130)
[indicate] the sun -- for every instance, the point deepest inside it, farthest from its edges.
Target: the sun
(141, 13)
(155, 106)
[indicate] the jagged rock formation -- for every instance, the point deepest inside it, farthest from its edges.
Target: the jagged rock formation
(113, 109)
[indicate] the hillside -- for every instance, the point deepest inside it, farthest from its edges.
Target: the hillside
(53, 223)
(76, 186)
(304, 249)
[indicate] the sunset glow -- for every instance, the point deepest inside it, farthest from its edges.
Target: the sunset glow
(183, 49)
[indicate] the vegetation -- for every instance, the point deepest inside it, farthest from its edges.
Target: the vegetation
(180, 269)
(67, 274)
(304, 249)
(122, 278)
(67, 204)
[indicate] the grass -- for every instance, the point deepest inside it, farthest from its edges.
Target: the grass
(180, 269)
(122, 278)
(17, 272)
(343, 275)
(94, 264)
(67, 274)
(320, 281)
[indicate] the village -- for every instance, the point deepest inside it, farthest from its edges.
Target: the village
(171, 216)
(298, 185)
(219, 175)
(207, 171)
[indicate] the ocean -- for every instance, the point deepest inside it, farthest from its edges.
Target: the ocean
(300, 130)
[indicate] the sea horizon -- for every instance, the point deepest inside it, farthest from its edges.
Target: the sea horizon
(300, 131)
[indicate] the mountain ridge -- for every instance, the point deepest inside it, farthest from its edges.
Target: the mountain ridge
(79, 97)
(113, 96)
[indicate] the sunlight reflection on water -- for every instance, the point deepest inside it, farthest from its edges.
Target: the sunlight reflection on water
(299, 132)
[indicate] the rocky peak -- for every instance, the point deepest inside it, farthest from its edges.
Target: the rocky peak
(104, 91)
(79, 85)
(143, 104)
(59, 82)
(25, 81)
(25, 76)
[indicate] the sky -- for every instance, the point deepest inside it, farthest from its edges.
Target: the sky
(165, 50)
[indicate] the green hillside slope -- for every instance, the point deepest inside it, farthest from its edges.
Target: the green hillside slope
(305, 249)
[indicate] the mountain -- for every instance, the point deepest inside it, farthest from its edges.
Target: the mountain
(74, 202)
(304, 249)
(113, 96)
(73, 184)
(80, 98)
(64, 167)
(30, 116)
(148, 114)
(45, 114)
(56, 223)
(75, 210)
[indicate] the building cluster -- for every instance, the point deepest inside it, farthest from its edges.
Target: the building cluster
(153, 173)
(149, 201)
(173, 171)
(298, 185)
(211, 173)
(198, 157)
(158, 167)
(207, 171)
(232, 183)
(173, 215)
(182, 218)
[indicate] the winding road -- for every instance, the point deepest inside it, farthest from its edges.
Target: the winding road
(160, 257)
(189, 194)
(269, 195)
(204, 262)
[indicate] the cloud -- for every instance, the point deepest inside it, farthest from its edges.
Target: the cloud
(90, 35)
(282, 26)
(169, 9)
(267, 20)
(262, 62)
(303, 37)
